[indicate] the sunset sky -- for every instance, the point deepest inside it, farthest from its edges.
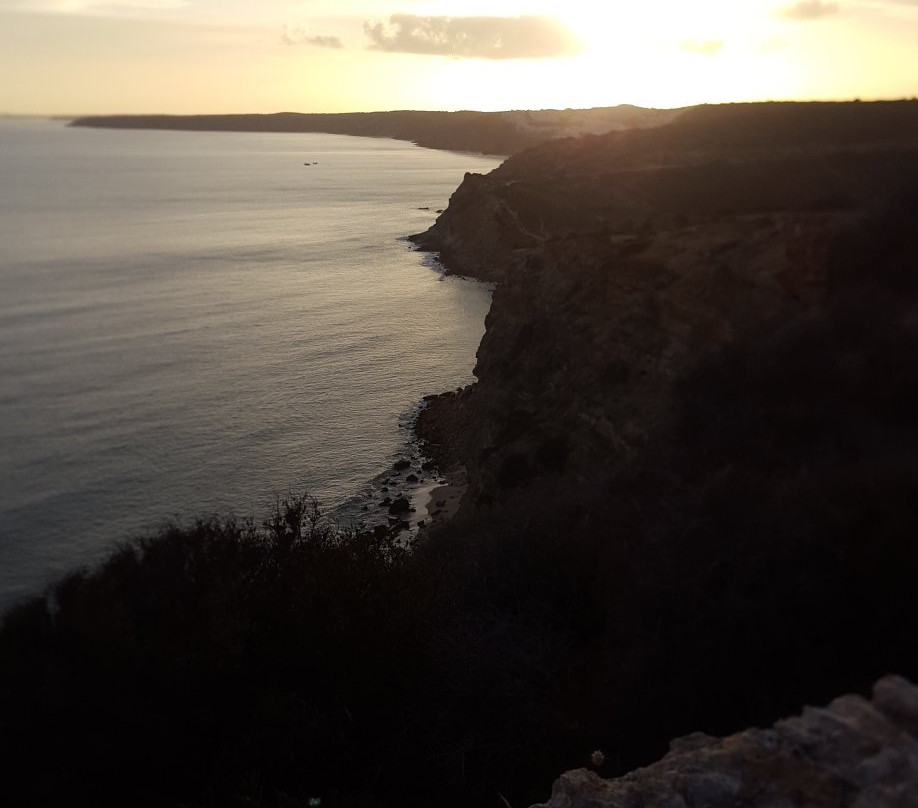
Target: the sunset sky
(183, 56)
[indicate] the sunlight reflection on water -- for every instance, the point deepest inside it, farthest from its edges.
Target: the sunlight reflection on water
(194, 322)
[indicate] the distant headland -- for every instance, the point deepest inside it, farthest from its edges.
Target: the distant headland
(498, 133)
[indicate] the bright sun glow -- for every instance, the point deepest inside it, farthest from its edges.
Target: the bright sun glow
(674, 53)
(86, 56)
(663, 54)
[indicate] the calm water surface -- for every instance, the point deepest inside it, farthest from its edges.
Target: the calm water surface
(192, 323)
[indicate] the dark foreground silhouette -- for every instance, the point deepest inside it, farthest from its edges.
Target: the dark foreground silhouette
(768, 562)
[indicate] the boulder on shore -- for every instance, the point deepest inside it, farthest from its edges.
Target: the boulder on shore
(400, 505)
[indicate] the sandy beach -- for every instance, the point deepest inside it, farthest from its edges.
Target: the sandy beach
(443, 500)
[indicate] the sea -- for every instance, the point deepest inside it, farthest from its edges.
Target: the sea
(197, 323)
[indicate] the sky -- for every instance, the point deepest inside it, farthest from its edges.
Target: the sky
(77, 57)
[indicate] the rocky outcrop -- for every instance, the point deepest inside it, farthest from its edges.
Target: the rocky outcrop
(855, 752)
(623, 261)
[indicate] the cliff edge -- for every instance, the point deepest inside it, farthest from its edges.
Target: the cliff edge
(855, 752)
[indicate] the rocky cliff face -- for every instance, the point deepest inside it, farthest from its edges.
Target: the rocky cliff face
(624, 260)
(855, 752)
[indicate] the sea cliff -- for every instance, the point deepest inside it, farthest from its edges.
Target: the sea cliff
(624, 261)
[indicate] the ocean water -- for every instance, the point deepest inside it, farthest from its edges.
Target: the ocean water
(194, 323)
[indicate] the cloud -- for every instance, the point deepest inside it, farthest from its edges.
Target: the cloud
(808, 10)
(474, 37)
(707, 47)
(298, 36)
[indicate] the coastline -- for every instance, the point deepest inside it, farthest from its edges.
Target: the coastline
(499, 134)
(683, 482)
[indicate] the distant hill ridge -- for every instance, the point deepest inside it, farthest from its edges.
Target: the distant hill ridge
(499, 133)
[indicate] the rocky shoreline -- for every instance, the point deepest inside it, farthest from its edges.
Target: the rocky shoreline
(422, 487)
